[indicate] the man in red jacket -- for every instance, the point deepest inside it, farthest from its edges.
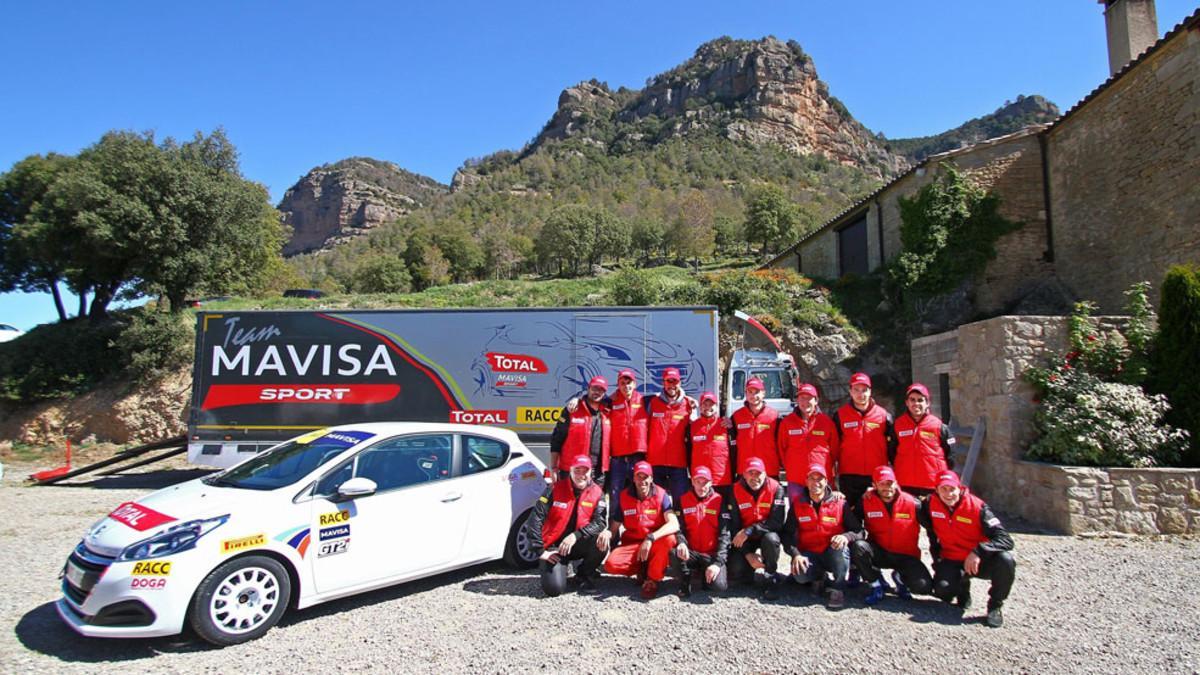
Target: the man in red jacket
(819, 531)
(889, 516)
(628, 413)
(864, 434)
(645, 524)
(584, 430)
(923, 444)
(708, 438)
(753, 432)
(967, 540)
(568, 523)
(668, 416)
(806, 436)
(756, 518)
(703, 541)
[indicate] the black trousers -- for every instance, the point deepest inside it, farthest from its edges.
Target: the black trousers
(949, 578)
(871, 559)
(698, 563)
(554, 576)
(768, 545)
(853, 486)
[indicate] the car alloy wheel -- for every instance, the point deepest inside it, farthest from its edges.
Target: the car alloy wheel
(244, 600)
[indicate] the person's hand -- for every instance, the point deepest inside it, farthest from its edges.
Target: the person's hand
(739, 539)
(838, 542)
(682, 552)
(711, 572)
(603, 540)
(572, 404)
(564, 549)
(726, 423)
(971, 564)
(644, 550)
(755, 560)
(693, 404)
(799, 565)
(838, 495)
(550, 556)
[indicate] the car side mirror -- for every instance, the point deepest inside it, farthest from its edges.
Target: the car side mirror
(356, 487)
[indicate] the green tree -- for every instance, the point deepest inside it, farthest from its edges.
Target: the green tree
(30, 260)
(692, 235)
(728, 235)
(568, 237)
(770, 217)
(384, 273)
(1176, 359)
(647, 237)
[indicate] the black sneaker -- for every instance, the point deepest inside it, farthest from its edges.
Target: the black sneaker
(818, 587)
(771, 590)
(995, 617)
(586, 585)
(685, 587)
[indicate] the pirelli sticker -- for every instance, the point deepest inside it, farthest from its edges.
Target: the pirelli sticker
(243, 543)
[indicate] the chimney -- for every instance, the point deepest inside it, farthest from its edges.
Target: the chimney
(1132, 28)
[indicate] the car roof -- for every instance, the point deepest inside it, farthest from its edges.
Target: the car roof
(392, 428)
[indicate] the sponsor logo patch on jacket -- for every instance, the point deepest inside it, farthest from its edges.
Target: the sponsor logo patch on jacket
(619, 406)
(994, 522)
(795, 432)
(561, 505)
(937, 514)
(587, 505)
(928, 434)
(658, 414)
(874, 514)
(818, 433)
(804, 519)
(850, 425)
(630, 512)
(908, 432)
(963, 519)
(828, 519)
(902, 516)
(744, 426)
(872, 425)
(690, 509)
(701, 437)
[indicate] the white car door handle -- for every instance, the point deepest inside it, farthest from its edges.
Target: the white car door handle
(452, 497)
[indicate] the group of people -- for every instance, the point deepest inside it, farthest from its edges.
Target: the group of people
(650, 482)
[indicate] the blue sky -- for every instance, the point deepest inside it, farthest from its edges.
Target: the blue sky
(299, 84)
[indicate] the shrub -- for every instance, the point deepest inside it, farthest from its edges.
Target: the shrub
(1177, 352)
(155, 343)
(381, 274)
(60, 359)
(636, 288)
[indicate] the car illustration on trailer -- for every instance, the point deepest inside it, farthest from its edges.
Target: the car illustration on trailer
(329, 514)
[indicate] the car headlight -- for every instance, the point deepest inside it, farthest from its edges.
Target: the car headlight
(174, 540)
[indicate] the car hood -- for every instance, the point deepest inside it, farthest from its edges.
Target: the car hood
(159, 511)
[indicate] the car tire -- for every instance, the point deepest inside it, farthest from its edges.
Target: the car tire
(517, 552)
(240, 600)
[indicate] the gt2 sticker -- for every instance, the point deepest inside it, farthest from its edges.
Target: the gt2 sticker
(334, 547)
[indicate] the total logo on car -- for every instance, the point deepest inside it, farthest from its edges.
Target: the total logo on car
(322, 516)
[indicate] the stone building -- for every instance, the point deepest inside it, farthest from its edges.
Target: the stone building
(1106, 194)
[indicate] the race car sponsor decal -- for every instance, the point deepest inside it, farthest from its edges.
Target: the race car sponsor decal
(510, 380)
(335, 532)
(515, 363)
(148, 583)
(329, 548)
(333, 518)
(140, 518)
(151, 568)
(243, 543)
(479, 416)
(224, 395)
(297, 537)
(538, 415)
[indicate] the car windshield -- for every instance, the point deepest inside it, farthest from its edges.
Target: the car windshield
(287, 463)
(777, 382)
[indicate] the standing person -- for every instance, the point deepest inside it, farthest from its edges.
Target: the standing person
(807, 436)
(668, 416)
(703, 540)
(628, 414)
(753, 432)
(568, 523)
(584, 430)
(889, 516)
(756, 518)
(864, 434)
(819, 531)
(645, 525)
(967, 540)
(708, 436)
(923, 441)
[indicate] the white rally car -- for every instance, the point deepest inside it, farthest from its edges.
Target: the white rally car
(329, 514)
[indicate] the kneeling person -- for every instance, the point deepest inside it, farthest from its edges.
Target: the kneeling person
(646, 527)
(889, 516)
(703, 539)
(756, 518)
(819, 531)
(568, 523)
(967, 540)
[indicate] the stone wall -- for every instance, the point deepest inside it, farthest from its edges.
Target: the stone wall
(1124, 170)
(986, 380)
(933, 356)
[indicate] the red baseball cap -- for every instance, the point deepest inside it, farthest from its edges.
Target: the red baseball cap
(884, 472)
(817, 468)
(581, 460)
(917, 387)
(755, 383)
(948, 478)
(702, 472)
(755, 464)
(643, 467)
(670, 374)
(708, 396)
(598, 381)
(627, 373)
(808, 390)
(860, 378)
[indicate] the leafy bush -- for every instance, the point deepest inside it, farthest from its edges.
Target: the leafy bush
(1177, 352)
(60, 359)
(381, 274)
(1092, 410)
(155, 343)
(636, 288)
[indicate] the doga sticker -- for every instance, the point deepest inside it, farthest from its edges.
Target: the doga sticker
(150, 584)
(151, 568)
(242, 543)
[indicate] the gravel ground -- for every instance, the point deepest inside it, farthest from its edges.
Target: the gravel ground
(1078, 605)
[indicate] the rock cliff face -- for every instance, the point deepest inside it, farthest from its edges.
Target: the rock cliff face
(763, 91)
(337, 202)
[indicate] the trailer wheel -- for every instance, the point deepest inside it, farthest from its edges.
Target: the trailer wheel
(519, 552)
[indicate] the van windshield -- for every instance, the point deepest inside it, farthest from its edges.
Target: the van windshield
(285, 464)
(777, 382)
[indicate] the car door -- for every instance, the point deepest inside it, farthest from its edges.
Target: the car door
(488, 484)
(414, 522)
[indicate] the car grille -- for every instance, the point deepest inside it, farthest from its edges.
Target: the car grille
(92, 565)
